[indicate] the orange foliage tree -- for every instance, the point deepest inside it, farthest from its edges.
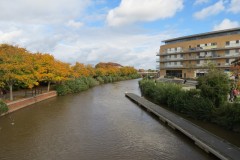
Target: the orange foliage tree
(16, 66)
(50, 70)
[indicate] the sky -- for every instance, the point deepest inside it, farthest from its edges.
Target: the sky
(128, 32)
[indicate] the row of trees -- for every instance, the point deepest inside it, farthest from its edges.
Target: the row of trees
(19, 66)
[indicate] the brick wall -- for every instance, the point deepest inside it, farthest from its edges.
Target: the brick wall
(13, 106)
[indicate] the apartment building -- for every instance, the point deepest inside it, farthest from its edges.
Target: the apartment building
(187, 56)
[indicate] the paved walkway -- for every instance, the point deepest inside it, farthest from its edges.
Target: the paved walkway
(205, 140)
(24, 93)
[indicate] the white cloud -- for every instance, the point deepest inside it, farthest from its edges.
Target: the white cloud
(210, 11)
(234, 6)
(74, 24)
(104, 45)
(87, 45)
(198, 2)
(226, 24)
(41, 11)
(6, 37)
(131, 11)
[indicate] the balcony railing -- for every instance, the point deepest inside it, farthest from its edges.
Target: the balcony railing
(233, 45)
(200, 57)
(194, 66)
(203, 49)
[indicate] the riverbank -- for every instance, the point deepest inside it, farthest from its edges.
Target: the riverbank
(22, 103)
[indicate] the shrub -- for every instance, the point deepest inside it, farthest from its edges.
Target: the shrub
(227, 115)
(91, 82)
(100, 80)
(3, 107)
(198, 108)
(214, 86)
(62, 89)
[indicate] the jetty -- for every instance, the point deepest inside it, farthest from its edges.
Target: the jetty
(202, 138)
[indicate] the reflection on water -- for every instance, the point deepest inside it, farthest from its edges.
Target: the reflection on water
(96, 124)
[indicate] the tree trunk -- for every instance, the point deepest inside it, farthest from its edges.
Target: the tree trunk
(11, 93)
(48, 86)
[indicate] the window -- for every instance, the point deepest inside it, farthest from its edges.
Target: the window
(206, 44)
(175, 63)
(227, 60)
(227, 52)
(175, 56)
(198, 62)
(190, 62)
(236, 50)
(181, 55)
(237, 41)
(213, 44)
(227, 43)
(190, 54)
(198, 45)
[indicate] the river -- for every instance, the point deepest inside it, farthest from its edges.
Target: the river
(98, 124)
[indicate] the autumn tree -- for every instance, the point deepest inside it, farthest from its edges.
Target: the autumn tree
(46, 69)
(62, 72)
(15, 67)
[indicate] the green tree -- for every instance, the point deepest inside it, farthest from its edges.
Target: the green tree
(214, 86)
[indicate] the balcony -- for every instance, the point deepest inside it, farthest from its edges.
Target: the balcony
(232, 45)
(202, 49)
(171, 66)
(171, 59)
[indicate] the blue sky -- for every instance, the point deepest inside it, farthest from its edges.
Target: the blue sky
(128, 32)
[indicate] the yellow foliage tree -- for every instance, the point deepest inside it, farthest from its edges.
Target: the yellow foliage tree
(16, 66)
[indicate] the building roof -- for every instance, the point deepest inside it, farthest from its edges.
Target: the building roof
(201, 34)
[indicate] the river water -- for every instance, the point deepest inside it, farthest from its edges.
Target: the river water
(98, 124)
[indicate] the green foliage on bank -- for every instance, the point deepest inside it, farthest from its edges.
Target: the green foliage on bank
(76, 85)
(215, 86)
(3, 107)
(171, 95)
(193, 103)
(84, 83)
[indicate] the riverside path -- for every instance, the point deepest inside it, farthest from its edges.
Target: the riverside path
(202, 138)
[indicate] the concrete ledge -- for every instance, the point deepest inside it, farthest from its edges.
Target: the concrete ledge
(16, 105)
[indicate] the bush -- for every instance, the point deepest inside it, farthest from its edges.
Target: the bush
(72, 86)
(227, 115)
(3, 107)
(214, 86)
(198, 108)
(91, 82)
(62, 89)
(100, 80)
(188, 102)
